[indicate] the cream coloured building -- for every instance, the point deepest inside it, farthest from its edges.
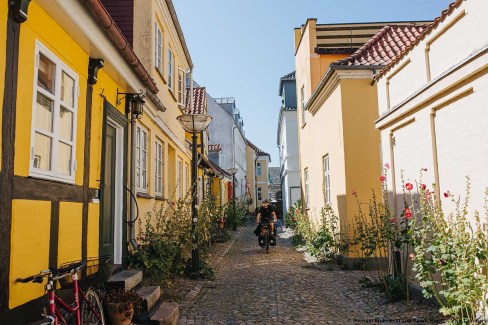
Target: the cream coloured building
(432, 107)
(337, 106)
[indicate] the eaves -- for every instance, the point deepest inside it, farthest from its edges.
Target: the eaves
(331, 79)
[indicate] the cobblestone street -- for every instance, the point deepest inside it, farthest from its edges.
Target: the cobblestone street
(252, 287)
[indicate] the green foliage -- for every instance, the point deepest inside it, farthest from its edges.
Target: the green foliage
(236, 214)
(165, 239)
(450, 256)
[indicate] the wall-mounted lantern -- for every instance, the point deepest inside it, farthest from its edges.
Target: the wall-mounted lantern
(134, 103)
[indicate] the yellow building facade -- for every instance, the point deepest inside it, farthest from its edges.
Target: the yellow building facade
(66, 87)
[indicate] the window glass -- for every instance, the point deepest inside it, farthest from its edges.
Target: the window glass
(44, 113)
(67, 89)
(46, 74)
(42, 152)
(64, 158)
(66, 124)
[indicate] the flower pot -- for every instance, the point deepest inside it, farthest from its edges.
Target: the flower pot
(119, 316)
(220, 224)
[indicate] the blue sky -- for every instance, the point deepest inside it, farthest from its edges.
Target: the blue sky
(241, 48)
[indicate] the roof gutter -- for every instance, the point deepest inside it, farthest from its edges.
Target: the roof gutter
(107, 23)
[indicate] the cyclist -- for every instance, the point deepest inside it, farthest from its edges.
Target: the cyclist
(267, 213)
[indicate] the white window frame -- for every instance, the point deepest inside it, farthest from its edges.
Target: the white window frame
(259, 193)
(259, 169)
(181, 87)
(171, 63)
(158, 167)
(60, 67)
(142, 152)
(158, 47)
(179, 178)
(307, 188)
(326, 164)
(187, 177)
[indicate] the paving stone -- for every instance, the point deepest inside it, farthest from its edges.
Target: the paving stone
(282, 287)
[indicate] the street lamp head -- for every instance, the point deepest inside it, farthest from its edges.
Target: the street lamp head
(232, 171)
(194, 122)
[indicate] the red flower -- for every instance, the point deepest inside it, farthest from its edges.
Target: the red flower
(423, 186)
(297, 211)
(392, 220)
(387, 165)
(382, 178)
(408, 213)
(409, 186)
(441, 261)
(354, 192)
(411, 256)
(294, 219)
(446, 194)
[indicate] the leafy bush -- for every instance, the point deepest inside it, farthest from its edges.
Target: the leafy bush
(236, 214)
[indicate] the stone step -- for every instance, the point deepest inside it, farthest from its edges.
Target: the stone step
(168, 313)
(126, 279)
(150, 295)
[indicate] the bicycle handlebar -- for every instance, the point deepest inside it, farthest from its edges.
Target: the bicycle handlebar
(58, 273)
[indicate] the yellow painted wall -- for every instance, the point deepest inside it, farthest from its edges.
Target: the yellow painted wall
(93, 230)
(69, 236)
(40, 26)
(3, 47)
(251, 175)
(361, 142)
(31, 222)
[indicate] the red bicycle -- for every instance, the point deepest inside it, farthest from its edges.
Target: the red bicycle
(87, 308)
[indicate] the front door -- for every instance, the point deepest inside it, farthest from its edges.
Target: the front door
(111, 230)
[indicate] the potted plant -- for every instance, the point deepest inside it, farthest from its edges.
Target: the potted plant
(220, 223)
(122, 305)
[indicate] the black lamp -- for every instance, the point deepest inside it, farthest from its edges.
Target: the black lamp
(19, 9)
(133, 103)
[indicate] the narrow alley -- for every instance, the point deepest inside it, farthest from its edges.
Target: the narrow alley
(252, 287)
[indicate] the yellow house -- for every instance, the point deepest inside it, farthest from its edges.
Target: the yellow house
(337, 106)
(70, 85)
(163, 147)
(257, 175)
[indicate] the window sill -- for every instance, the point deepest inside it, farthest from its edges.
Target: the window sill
(172, 94)
(52, 178)
(159, 198)
(144, 195)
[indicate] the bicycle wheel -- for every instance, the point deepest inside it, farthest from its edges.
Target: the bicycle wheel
(43, 322)
(92, 312)
(266, 238)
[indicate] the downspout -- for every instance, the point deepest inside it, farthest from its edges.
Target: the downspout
(133, 149)
(202, 151)
(233, 149)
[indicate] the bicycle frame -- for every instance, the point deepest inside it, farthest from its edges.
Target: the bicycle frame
(55, 301)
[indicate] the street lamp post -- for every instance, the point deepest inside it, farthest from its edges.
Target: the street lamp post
(233, 172)
(194, 123)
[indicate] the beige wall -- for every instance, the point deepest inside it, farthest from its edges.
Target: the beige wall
(251, 175)
(440, 123)
(262, 180)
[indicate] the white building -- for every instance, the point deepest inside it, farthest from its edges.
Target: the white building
(287, 140)
(433, 107)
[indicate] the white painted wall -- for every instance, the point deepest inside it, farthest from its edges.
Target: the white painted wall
(458, 48)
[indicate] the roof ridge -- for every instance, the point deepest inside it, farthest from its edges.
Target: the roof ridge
(444, 14)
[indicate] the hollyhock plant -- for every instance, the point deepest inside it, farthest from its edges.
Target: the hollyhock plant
(423, 186)
(387, 166)
(392, 220)
(408, 213)
(408, 186)
(382, 178)
(446, 194)
(411, 256)
(354, 192)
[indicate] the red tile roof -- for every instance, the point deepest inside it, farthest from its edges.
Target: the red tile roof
(445, 13)
(383, 47)
(258, 151)
(214, 147)
(199, 101)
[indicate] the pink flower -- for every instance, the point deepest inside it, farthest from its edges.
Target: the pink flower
(382, 178)
(408, 213)
(294, 219)
(354, 192)
(446, 194)
(387, 165)
(411, 256)
(423, 186)
(297, 211)
(441, 261)
(408, 186)
(392, 220)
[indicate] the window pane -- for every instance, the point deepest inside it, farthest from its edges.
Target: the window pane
(64, 159)
(66, 124)
(67, 89)
(45, 75)
(42, 152)
(44, 113)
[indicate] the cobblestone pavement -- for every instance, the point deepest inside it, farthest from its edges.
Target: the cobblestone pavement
(252, 287)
